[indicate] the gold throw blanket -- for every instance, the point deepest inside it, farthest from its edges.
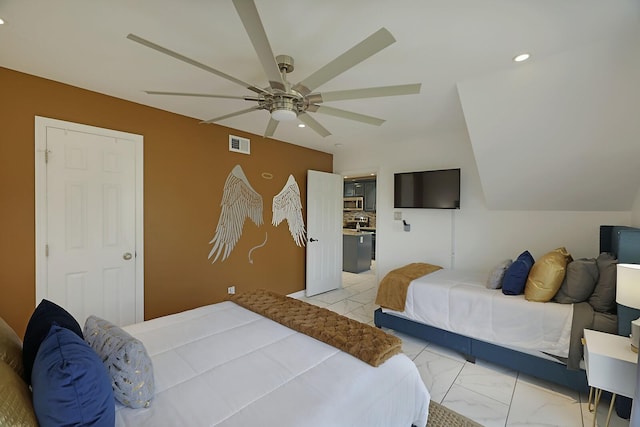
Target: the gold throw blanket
(392, 292)
(367, 343)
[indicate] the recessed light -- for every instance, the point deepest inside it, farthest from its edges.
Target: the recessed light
(1, 21)
(521, 57)
(301, 125)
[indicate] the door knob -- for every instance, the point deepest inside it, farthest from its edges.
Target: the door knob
(313, 240)
(127, 256)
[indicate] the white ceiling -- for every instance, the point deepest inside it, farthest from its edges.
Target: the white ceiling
(440, 43)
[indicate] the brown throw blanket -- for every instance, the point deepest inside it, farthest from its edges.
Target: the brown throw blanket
(365, 342)
(392, 292)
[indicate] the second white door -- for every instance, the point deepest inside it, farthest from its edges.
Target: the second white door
(324, 232)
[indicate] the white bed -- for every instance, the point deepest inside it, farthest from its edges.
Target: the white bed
(223, 365)
(458, 301)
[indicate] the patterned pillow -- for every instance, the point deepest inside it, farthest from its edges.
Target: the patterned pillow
(125, 358)
(494, 281)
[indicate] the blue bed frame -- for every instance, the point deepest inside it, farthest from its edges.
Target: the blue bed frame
(623, 242)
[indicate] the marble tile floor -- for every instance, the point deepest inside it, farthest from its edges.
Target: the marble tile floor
(488, 394)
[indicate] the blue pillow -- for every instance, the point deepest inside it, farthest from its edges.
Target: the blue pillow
(44, 316)
(71, 386)
(515, 278)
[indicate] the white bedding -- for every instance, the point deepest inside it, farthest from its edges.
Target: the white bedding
(222, 365)
(458, 301)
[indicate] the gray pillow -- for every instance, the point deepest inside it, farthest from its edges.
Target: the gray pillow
(125, 358)
(494, 281)
(579, 281)
(603, 298)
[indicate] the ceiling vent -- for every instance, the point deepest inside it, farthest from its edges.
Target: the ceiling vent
(239, 145)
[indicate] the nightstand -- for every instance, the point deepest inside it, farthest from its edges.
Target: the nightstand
(611, 365)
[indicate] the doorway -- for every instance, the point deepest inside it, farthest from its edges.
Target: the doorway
(89, 220)
(359, 222)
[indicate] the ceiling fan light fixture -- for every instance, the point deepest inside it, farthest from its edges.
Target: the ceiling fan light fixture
(283, 109)
(283, 115)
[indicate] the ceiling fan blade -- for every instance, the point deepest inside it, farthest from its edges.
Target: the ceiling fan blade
(271, 128)
(363, 50)
(204, 95)
(313, 124)
(237, 113)
(253, 25)
(343, 114)
(190, 61)
(370, 92)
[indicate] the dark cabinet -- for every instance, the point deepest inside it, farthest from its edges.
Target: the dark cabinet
(356, 252)
(349, 189)
(373, 245)
(358, 188)
(370, 196)
(365, 189)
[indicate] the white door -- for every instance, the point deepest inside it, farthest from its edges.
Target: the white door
(90, 223)
(324, 232)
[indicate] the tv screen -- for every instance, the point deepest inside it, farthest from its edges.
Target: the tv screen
(439, 189)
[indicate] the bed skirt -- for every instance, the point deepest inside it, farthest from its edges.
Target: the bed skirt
(546, 369)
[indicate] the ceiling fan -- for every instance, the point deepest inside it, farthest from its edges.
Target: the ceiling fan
(282, 99)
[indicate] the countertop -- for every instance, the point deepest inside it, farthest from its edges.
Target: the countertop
(351, 232)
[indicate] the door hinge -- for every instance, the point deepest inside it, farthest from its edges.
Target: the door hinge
(46, 250)
(46, 156)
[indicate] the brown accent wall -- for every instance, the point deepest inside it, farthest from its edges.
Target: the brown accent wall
(185, 167)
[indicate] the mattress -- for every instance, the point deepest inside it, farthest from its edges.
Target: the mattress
(458, 301)
(222, 365)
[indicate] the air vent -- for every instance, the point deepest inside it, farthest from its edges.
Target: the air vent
(239, 145)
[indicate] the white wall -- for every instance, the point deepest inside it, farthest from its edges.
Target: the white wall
(479, 237)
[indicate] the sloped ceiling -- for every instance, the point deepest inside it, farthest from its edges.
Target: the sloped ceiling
(556, 132)
(562, 133)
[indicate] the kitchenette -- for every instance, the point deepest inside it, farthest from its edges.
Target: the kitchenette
(359, 224)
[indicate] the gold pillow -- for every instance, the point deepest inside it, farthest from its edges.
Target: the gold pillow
(16, 409)
(546, 275)
(10, 347)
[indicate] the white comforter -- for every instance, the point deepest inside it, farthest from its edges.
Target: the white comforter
(222, 365)
(458, 301)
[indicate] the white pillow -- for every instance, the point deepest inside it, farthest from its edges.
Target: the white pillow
(494, 281)
(125, 358)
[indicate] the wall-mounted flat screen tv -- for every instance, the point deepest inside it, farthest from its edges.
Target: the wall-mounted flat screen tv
(438, 189)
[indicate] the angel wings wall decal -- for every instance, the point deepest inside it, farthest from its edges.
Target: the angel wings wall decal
(287, 205)
(239, 201)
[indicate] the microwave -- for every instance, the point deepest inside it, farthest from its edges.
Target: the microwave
(353, 203)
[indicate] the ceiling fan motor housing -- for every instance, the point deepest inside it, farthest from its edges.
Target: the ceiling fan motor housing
(285, 63)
